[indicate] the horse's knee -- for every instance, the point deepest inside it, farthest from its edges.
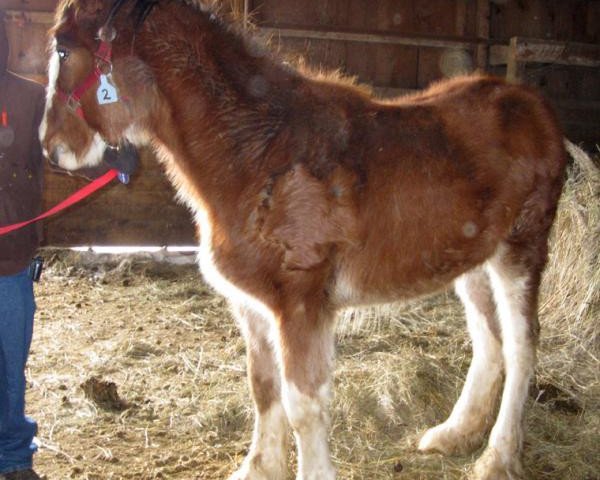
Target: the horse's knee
(306, 411)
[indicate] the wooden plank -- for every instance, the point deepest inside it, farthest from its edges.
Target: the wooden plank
(30, 16)
(390, 93)
(591, 21)
(29, 5)
(461, 18)
(528, 50)
(514, 68)
(366, 37)
(434, 18)
(396, 66)
(482, 30)
(142, 213)
(429, 66)
(27, 37)
(543, 51)
(499, 55)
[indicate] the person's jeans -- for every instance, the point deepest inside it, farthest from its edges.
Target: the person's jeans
(17, 307)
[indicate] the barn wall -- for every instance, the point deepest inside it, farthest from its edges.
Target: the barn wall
(395, 45)
(381, 64)
(141, 213)
(574, 90)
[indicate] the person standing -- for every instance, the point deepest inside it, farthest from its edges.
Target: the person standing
(21, 181)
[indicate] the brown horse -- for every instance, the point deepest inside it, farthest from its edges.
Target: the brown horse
(311, 196)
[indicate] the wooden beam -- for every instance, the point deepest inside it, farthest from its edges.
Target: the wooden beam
(33, 16)
(29, 5)
(363, 37)
(461, 17)
(143, 213)
(514, 68)
(528, 50)
(482, 30)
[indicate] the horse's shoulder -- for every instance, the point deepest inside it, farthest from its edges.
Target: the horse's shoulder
(306, 216)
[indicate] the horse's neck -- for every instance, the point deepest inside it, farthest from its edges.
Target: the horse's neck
(227, 101)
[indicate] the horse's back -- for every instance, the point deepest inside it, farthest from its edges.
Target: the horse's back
(447, 176)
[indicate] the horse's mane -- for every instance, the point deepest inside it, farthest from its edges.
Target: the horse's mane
(138, 11)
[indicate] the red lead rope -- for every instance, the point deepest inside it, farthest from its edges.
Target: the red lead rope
(86, 191)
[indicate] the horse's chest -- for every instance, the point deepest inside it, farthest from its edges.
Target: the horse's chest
(216, 267)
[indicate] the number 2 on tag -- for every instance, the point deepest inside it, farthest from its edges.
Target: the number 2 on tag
(107, 93)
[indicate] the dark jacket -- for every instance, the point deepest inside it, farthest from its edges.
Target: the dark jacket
(21, 171)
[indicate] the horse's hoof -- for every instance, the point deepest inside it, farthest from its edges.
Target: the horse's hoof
(448, 441)
(246, 474)
(253, 469)
(491, 466)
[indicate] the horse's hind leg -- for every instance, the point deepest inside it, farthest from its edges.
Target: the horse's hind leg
(267, 457)
(515, 273)
(472, 415)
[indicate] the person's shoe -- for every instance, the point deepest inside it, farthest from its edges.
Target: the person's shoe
(28, 474)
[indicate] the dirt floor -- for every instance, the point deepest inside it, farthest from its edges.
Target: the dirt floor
(137, 371)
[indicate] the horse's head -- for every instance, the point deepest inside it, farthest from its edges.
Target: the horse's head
(94, 98)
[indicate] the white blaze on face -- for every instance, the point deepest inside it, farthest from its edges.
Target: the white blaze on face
(68, 160)
(53, 69)
(65, 157)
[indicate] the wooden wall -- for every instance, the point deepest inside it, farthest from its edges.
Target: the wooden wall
(395, 45)
(141, 213)
(380, 57)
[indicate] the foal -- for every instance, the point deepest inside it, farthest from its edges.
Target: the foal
(311, 196)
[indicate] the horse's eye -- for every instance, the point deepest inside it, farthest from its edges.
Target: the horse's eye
(63, 53)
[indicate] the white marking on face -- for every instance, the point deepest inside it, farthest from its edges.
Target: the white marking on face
(67, 159)
(53, 70)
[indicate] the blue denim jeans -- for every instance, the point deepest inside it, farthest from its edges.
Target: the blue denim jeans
(17, 307)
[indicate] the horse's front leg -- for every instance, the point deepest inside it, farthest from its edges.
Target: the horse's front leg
(267, 457)
(306, 349)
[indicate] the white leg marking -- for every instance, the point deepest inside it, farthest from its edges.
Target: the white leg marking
(267, 458)
(502, 458)
(519, 358)
(310, 420)
(53, 69)
(92, 157)
(465, 426)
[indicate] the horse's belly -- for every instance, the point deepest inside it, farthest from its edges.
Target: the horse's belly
(402, 270)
